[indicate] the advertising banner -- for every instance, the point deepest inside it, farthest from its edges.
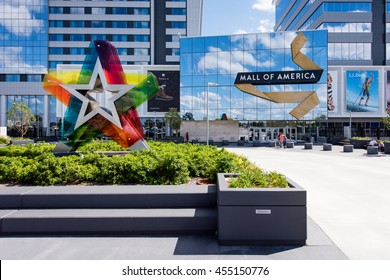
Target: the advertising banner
(169, 94)
(362, 90)
(388, 91)
(333, 91)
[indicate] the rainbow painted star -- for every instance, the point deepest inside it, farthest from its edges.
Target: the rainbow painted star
(101, 98)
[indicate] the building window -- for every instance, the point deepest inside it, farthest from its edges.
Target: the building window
(98, 11)
(12, 78)
(77, 10)
(141, 52)
(98, 37)
(56, 23)
(347, 27)
(119, 24)
(119, 38)
(56, 10)
(141, 38)
(56, 37)
(176, 24)
(77, 51)
(176, 11)
(141, 24)
(119, 11)
(141, 11)
(77, 37)
(56, 51)
(349, 51)
(121, 51)
(77, 23)
(34, 78)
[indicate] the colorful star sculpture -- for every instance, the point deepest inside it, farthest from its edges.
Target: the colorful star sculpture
(101, 99)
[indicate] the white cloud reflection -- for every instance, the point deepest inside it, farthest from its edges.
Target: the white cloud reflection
(20, 20)
(11, 61)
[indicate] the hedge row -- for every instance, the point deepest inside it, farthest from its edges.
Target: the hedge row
(165, 163)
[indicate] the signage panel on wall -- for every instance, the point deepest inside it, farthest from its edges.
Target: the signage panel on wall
(332, 92)
(362, 90)
(169, 94)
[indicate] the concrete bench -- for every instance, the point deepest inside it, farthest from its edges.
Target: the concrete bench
(308, 146)
(272, 144)
(289, 144)
(225, 142)
(372, 150)
(326, 147)
(348, 148)
(256, 144)
(240, 143)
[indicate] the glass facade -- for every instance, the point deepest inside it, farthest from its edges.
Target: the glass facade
(205, 60)
(352, 17)
(38, 35)
(23, 36)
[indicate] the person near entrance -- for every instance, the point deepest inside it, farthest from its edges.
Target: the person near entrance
(282, 140)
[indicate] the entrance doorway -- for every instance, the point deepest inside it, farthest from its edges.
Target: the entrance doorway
(264, 134)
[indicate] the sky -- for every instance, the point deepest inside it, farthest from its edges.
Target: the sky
(226, 17)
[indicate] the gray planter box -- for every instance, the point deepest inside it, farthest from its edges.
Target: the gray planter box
(21, 142)
(387, 148)
(261, 216)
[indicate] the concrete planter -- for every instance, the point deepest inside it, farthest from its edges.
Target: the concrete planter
(387, 147)
(359, 144)
(274, 216)
(21, 142)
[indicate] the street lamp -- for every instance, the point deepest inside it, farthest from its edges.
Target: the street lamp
(209, 84)
(350, 124)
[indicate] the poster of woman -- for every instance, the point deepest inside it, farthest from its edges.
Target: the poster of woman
(332, 91)
(362, 90)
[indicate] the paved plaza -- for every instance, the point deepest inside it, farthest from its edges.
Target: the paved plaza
(348, 194)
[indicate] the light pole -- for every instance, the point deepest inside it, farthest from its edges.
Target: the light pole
(209, 84)
(350, 124)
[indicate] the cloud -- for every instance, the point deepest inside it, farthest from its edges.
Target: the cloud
(265, 25)
(12, 60)
(20, 20)
(264, 6)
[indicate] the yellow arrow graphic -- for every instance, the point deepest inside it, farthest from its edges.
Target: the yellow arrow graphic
(307, 99)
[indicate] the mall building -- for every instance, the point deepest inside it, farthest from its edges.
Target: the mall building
(44, 35)
(358, 48)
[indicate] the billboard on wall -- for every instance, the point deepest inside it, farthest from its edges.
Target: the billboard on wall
(362, 90)
(332, 92)
(169, 94)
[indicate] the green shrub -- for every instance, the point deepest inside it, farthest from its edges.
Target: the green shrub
(165, 163)
(4, 139)
(255, 177)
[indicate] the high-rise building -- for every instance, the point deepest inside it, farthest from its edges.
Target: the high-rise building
(38, 35)
(357, 29)
(358, 59)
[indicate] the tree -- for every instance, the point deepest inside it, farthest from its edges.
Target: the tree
(386, 120)
(20, 118)
(173, 119)
(188, 116)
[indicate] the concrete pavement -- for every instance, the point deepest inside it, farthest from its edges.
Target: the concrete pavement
(348, 193)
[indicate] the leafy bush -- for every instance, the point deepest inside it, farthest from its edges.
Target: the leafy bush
(254, 177)
(4, 139)
(165, 163)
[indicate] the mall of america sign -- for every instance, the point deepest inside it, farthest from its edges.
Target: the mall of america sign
(310, 74)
